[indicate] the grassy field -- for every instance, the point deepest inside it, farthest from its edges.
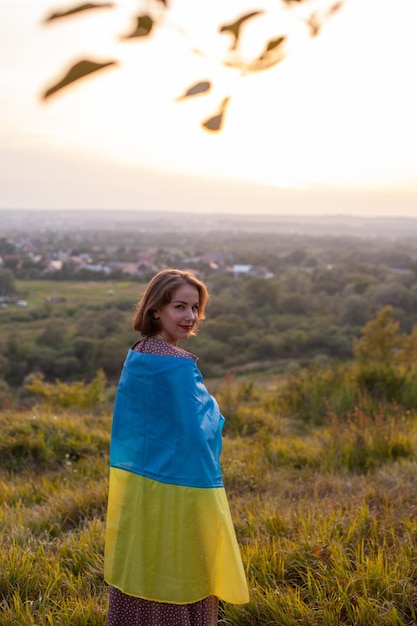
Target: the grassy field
(52, 298)
(36, 292)
(325, 513)
(64, 300)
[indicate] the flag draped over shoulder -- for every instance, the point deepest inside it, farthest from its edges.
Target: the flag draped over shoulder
(169, 533)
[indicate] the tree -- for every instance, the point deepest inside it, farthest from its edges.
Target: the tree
(329, 281)
(54, 334)
(6, 246)
(250, 49)
(261, 292)
(386, 360)
(407, 357)
(355, 310)
(380, 340)
(225, 326)
(295, 304)
(390, 293)
(7, 284)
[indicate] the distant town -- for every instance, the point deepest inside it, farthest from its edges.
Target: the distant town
(120, 245)
(281, 288)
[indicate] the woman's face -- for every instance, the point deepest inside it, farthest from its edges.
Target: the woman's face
(178, 317)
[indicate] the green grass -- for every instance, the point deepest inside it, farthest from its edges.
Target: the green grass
(76, 292)
(324, 513)
(53, 490)
(67, 296)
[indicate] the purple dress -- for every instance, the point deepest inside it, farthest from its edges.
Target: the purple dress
(125, 610)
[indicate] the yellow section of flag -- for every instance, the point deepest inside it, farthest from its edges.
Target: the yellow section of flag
(170, 543)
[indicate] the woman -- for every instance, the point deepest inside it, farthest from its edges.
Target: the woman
(171, 551)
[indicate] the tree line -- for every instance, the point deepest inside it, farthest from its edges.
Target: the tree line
(252, 323)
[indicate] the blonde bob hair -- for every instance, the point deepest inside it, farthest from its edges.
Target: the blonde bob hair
(159, 292)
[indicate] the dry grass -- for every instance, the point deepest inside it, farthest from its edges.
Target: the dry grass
(325, 515)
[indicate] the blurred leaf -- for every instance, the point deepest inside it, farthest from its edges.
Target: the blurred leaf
(335, 8)
(272, 45)
(198, 52)
(272, 55)
(314, 24)
(143, 27)
(78, 9)
(234, 28)
(79, 70)
(215, 123)
(198, 88)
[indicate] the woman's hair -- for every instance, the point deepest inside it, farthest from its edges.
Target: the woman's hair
(159, 292)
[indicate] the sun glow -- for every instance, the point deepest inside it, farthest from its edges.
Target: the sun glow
(338, 111)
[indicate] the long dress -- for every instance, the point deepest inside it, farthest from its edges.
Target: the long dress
(128, 607)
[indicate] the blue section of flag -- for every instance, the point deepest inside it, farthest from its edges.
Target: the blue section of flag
(166, 425)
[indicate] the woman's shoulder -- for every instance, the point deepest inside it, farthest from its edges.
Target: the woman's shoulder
(155, 345)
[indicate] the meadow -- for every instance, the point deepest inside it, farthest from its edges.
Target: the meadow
(48, 299)
(320, 465)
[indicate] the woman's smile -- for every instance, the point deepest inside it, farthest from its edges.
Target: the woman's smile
(178, 317)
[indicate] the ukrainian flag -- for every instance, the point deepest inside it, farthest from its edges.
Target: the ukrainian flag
(169, 534)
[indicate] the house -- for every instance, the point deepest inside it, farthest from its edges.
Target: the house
(238, 270)
(251, 270)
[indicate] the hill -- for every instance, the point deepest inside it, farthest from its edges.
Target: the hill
(324, 510)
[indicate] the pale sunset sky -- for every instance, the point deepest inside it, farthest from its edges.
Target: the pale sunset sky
(329, 130)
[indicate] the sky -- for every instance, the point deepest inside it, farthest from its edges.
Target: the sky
(331, 129)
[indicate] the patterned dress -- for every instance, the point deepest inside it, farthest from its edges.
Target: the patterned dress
(125, 610)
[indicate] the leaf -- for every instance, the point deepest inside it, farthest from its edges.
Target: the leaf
(196, 89)
(78, 71)
(314, 24)
(335, 8)
(272, 55)
(272, 45)
(234, 28)
(143, 27)
(215, 123)
(78, 9)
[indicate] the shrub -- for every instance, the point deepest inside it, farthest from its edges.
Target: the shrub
(76, 395)
(236, 399)
(387, 384)
(316, 391)
(43, 440)
(247, 421)
(237, 477)
(365, 441)
(380, 340)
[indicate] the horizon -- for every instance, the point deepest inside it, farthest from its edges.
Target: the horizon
(211, 215)
(343, 226)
